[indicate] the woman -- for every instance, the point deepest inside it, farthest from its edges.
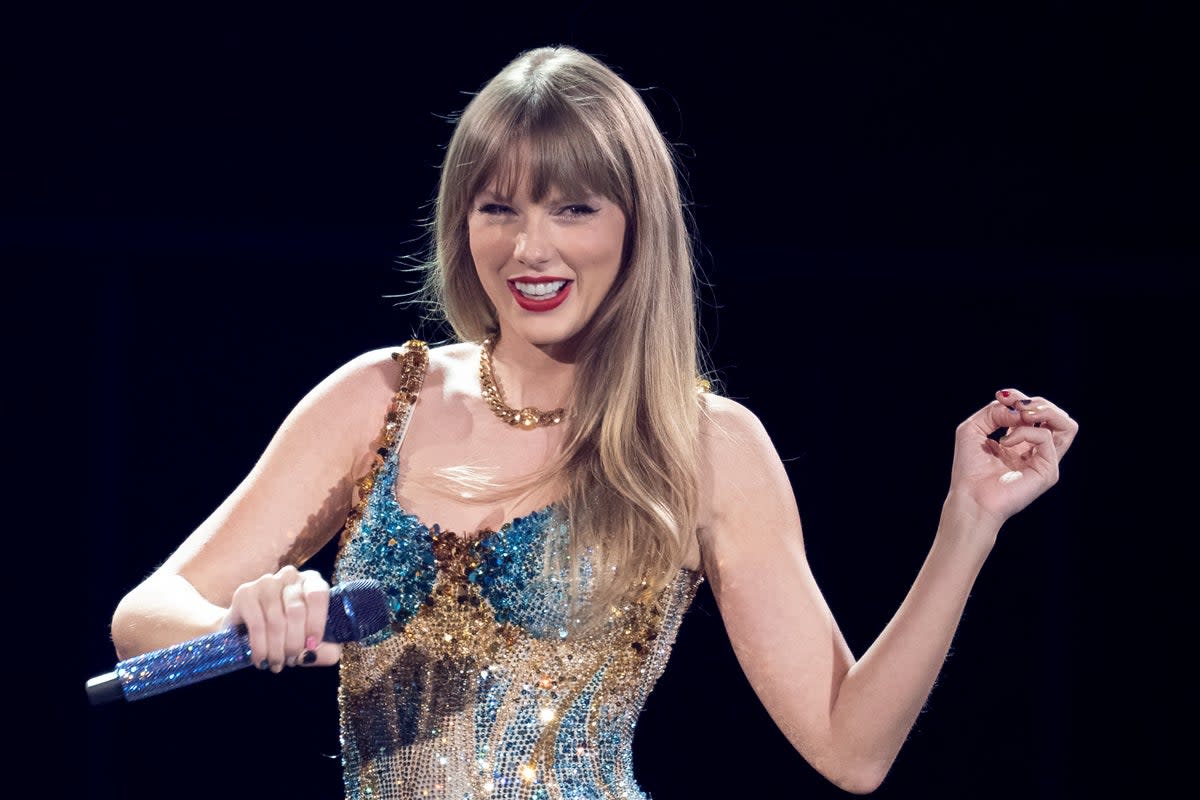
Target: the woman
(542, 498)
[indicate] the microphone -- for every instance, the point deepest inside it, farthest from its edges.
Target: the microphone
(357, 609)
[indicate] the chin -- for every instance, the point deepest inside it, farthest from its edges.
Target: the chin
(547, 336)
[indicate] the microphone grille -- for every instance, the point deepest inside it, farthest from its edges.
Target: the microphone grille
(357, 609)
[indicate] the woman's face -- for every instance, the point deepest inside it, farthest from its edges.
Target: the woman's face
(545, 265)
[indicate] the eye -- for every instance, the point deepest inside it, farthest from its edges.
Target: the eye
(494, 209)
(577, 210)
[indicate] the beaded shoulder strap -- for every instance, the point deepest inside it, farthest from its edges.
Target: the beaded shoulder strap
(414, 361)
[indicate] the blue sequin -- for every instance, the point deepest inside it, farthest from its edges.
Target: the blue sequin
(511, 577)
(397, 548)
(393, 547)
(481, 688)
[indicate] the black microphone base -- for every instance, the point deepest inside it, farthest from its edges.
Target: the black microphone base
(105, 689)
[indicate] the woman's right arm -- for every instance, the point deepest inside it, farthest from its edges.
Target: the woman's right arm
(238, 566)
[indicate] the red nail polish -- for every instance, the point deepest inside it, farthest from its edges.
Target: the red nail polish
(1005, 393)
(310, 643)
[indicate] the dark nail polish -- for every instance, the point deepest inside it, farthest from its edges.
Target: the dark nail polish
(1013, 410)
(1026, 402)
(264, 664)
(308, 657)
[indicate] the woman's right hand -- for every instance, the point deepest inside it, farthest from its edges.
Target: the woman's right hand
(284, 614)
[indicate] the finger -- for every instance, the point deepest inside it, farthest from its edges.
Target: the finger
(244, 609)
(316, 599)
(1028, 409)
(1040, 453)
(271, 596)
(1041, 413)
(998, 415)
(326, 654)
(1038, 412)
(295, 615)
(1019, 408)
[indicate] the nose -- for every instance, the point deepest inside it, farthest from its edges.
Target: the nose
(533, 247)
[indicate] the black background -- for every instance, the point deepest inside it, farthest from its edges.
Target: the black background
(902, 208)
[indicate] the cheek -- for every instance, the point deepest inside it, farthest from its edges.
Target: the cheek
(600, 249)
(488, 248)
(609, 251)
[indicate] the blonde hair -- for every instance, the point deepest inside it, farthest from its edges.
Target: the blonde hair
(629, 463)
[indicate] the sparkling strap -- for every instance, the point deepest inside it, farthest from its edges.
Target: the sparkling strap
(414, 361)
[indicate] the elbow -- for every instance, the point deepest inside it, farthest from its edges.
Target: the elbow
(161, 611)
(857, 776)
(135, 622)
(124, 628)
(864, 782)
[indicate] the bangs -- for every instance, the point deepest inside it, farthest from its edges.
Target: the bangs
(564, 155)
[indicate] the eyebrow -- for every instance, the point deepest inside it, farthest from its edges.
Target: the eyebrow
(552, 198)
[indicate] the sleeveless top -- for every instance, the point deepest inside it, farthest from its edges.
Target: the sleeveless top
(478, 689)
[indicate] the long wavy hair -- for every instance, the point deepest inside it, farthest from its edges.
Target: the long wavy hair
(627, 471)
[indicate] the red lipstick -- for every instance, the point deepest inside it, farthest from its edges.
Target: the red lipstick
(540, 305)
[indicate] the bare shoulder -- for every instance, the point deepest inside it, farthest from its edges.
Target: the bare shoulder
(745, 492)
(453, 371)
(360, 388)
(383, 363)
(377, 372)
(448, 359)
(729, 428)
(368, 373)
(738, 459)
(454, 354)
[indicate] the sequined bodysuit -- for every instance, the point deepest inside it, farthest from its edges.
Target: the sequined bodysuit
(479, 689)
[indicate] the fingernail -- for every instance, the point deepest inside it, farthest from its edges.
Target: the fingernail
(291, 661)
(308, 657)
(1013, 410)
(1026, 402)
(264, 664)
(1005, 393)
(310, 643)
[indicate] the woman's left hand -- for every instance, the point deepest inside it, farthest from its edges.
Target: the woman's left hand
(1001, 477)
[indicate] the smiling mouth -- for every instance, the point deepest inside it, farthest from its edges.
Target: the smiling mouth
(540, 295)
(540, 290)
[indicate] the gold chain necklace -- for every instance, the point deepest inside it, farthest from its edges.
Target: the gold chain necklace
(525, 419)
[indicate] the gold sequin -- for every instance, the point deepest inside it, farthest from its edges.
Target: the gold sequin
(464, 699)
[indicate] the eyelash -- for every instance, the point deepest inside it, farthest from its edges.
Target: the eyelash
(573, 210)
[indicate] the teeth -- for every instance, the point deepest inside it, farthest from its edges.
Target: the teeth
(539, 291)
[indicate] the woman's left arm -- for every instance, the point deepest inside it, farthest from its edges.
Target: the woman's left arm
(849, 717)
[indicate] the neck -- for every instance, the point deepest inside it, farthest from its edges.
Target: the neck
(529, 375)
